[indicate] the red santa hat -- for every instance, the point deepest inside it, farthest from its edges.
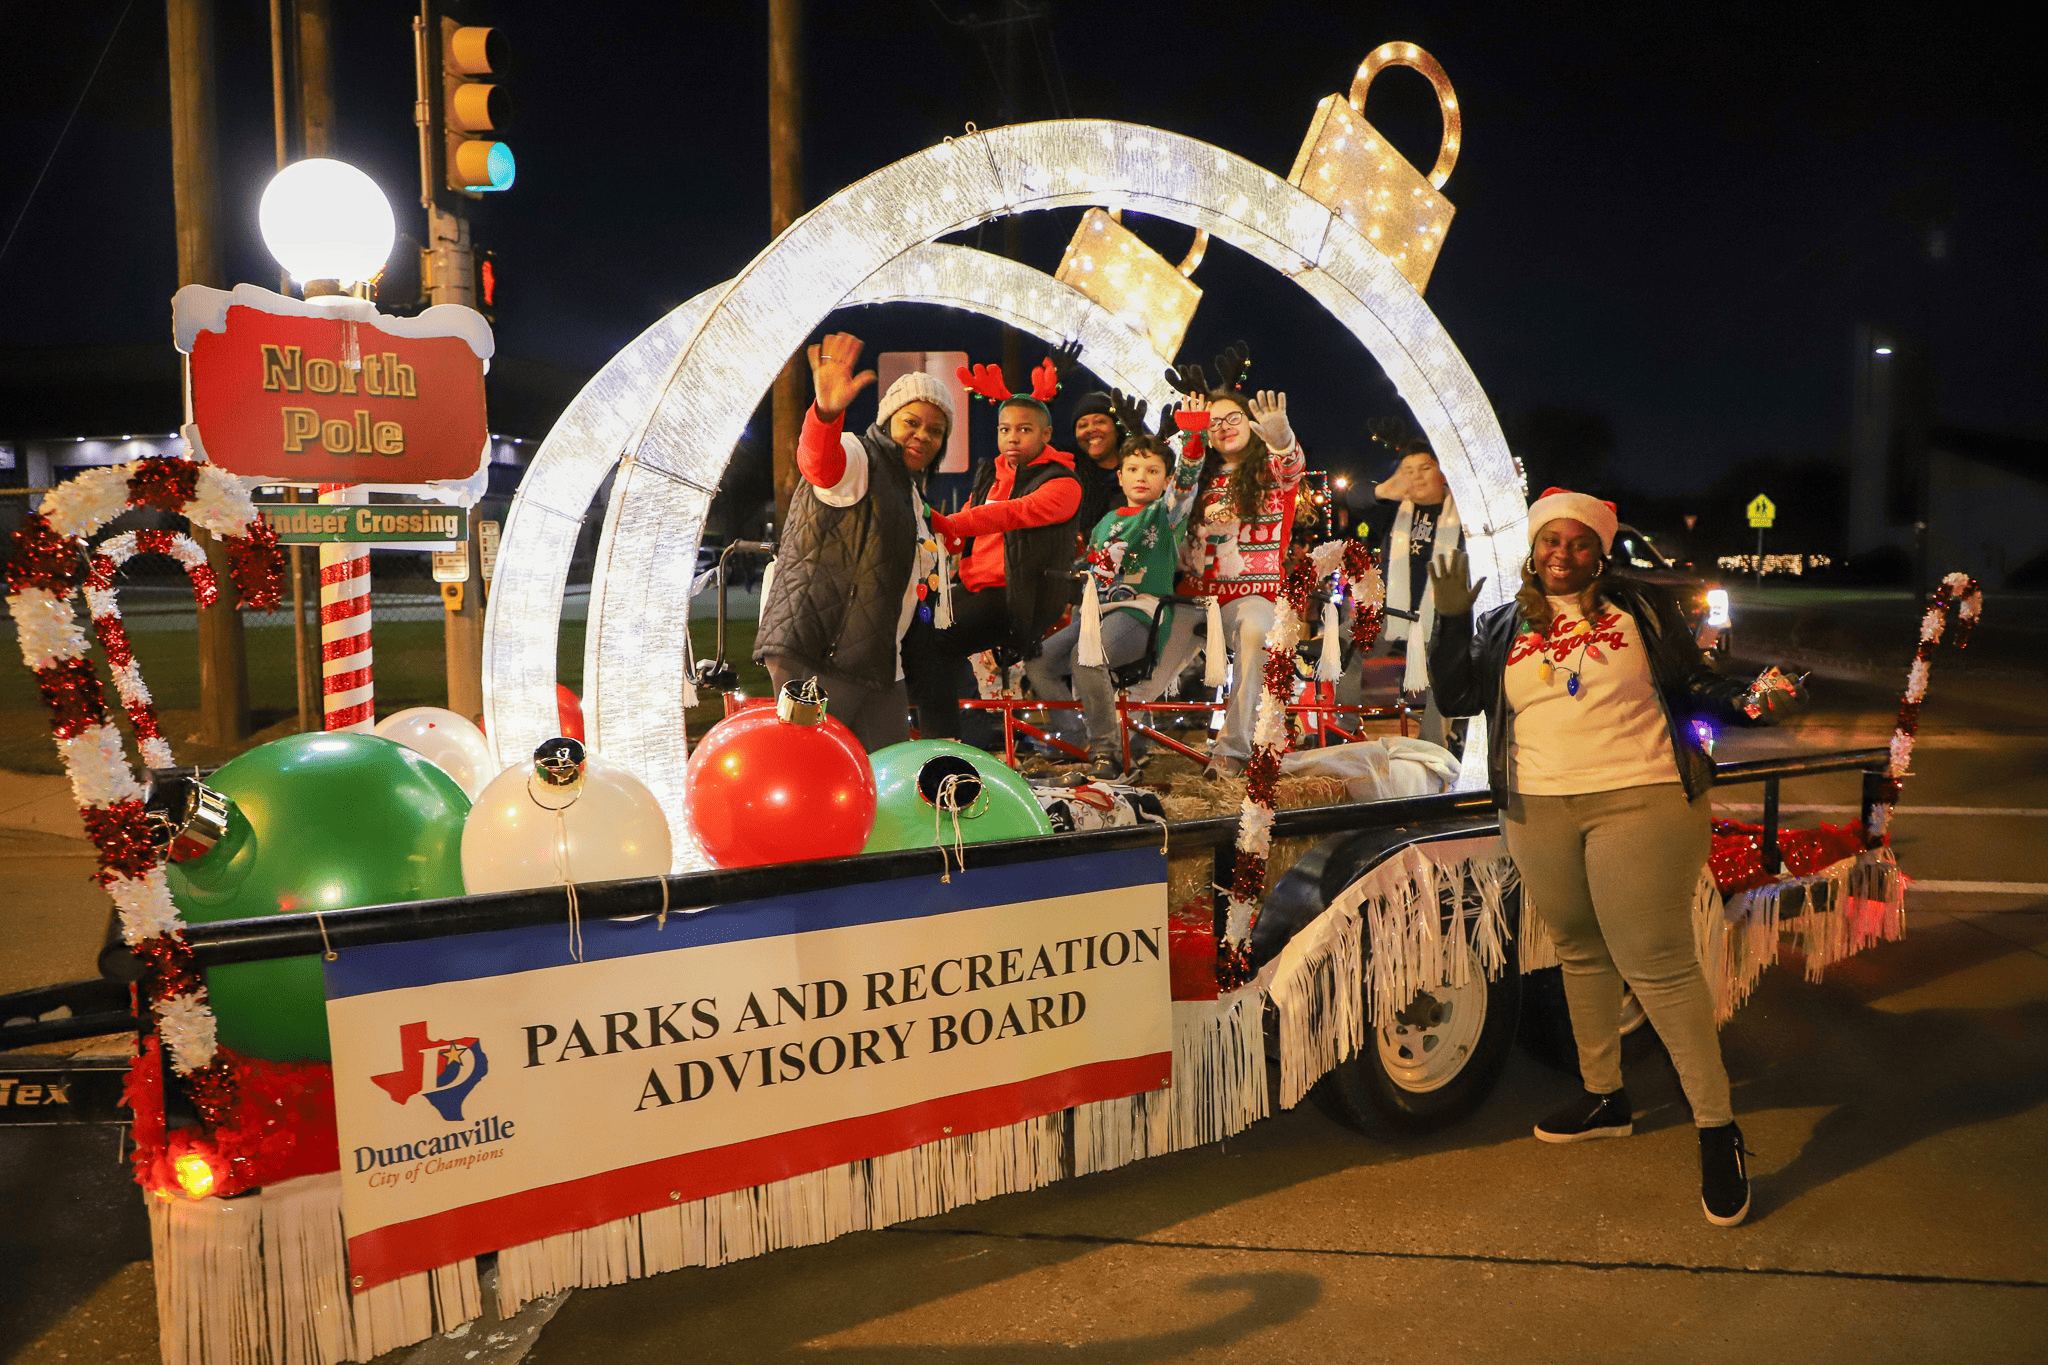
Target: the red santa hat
(1580, 507)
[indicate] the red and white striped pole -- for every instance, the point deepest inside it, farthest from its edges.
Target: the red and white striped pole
(348, 697)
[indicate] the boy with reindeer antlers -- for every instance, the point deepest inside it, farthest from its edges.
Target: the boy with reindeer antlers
(1016, 542)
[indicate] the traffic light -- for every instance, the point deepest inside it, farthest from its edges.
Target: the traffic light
(468, 106)
(486, 284)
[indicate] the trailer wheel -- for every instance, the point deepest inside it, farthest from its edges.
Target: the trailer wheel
(1546, 1030)
(1433, 1066)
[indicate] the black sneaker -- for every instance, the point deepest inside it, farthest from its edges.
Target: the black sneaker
(1589, 1116)
(1724, 1175)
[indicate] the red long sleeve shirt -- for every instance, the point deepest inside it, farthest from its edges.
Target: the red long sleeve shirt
(1051, 502)
(819, 456)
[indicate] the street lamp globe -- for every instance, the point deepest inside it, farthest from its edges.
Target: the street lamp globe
(326, 221)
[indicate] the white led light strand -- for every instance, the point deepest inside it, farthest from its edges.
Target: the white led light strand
(690, 384)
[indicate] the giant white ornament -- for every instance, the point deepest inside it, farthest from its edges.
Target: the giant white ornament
(669, 408)
(446, 740)
(524, 833)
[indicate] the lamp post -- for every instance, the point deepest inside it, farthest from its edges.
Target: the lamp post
(331, 228)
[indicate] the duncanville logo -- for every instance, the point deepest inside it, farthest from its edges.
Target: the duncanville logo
(445, 1070)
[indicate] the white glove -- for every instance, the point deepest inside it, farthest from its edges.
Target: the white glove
(1269, 418)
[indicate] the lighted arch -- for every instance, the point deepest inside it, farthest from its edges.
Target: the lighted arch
(679, 428)
(524, 618)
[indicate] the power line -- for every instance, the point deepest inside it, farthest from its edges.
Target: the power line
(78, 104)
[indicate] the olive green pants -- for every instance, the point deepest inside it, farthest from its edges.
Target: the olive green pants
(1612, 874)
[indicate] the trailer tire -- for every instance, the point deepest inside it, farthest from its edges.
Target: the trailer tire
(1434, 1067)
(1546, 1027)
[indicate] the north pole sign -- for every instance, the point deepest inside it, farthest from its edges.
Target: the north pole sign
(313, 393)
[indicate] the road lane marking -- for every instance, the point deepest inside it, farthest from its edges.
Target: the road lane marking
(2031, 812)
(1473, 1258)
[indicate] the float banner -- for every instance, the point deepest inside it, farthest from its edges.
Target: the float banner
(333, 400)
(490, 1090)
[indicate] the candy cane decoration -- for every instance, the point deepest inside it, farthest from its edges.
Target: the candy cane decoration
(48, 565)
(347, 693)
(106, 622)
(1273, 735)
(1961, 592)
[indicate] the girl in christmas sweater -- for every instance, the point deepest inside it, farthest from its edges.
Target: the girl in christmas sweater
(1237, 538)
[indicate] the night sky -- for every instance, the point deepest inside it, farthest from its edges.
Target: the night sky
(1675, 222)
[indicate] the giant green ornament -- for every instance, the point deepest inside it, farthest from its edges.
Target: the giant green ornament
(919, 785)
(319, 822)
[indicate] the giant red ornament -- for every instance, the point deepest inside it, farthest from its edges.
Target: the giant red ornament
(780, 784)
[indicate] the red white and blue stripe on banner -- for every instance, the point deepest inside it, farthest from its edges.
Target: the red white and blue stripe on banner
(451, 1011)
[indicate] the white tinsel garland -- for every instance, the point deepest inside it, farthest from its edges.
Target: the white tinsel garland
(145, 906)
(1957, 590)
(188, 1028)
(94, 759)
(82, 504)
(220, 504)
(48, 627)
(100, 775)
(1269, 731)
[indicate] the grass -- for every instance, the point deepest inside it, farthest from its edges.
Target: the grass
(410, 663)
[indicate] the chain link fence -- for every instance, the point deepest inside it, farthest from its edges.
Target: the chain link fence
(408, 638)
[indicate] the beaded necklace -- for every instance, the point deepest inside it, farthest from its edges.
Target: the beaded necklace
(1546, 671)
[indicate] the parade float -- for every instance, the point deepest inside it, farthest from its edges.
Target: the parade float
(511, 1029)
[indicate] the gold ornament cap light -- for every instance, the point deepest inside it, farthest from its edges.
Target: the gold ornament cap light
(560, 763)
(801, 702)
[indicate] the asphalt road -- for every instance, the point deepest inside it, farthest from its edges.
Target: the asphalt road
(1896, 1110)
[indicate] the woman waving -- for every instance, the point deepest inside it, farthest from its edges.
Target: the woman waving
(1591, 684)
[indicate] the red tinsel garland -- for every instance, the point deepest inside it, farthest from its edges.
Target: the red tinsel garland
(44, 559)
(72, 691)
(121, 834)
(1958, 593)
(256, 565)
(1737, 858)
(1277, 679)
(263, 1122)
(164, 484)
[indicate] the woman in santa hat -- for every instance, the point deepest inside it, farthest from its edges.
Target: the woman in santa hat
(1591, 684)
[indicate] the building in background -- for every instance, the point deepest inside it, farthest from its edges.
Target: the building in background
(1987, 507)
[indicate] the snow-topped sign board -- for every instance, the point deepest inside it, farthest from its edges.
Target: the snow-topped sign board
(333, 392)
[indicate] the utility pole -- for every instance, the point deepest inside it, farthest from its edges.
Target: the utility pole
(1014, 15)
(314, 57)
(195, 178)
(785, 203)
(448, 272)
(305, 636)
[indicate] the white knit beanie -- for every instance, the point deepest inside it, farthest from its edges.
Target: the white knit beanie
(1581, 507)
(912, 387)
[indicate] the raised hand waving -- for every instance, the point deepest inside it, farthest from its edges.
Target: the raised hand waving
(832, 373)
(1269, 416)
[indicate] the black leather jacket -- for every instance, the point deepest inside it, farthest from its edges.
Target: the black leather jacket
(1467, 667)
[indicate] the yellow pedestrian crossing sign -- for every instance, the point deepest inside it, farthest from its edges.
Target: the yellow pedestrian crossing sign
(1762, 512)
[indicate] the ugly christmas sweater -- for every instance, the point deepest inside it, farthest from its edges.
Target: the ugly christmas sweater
(1133, 552)
(1230, 556)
